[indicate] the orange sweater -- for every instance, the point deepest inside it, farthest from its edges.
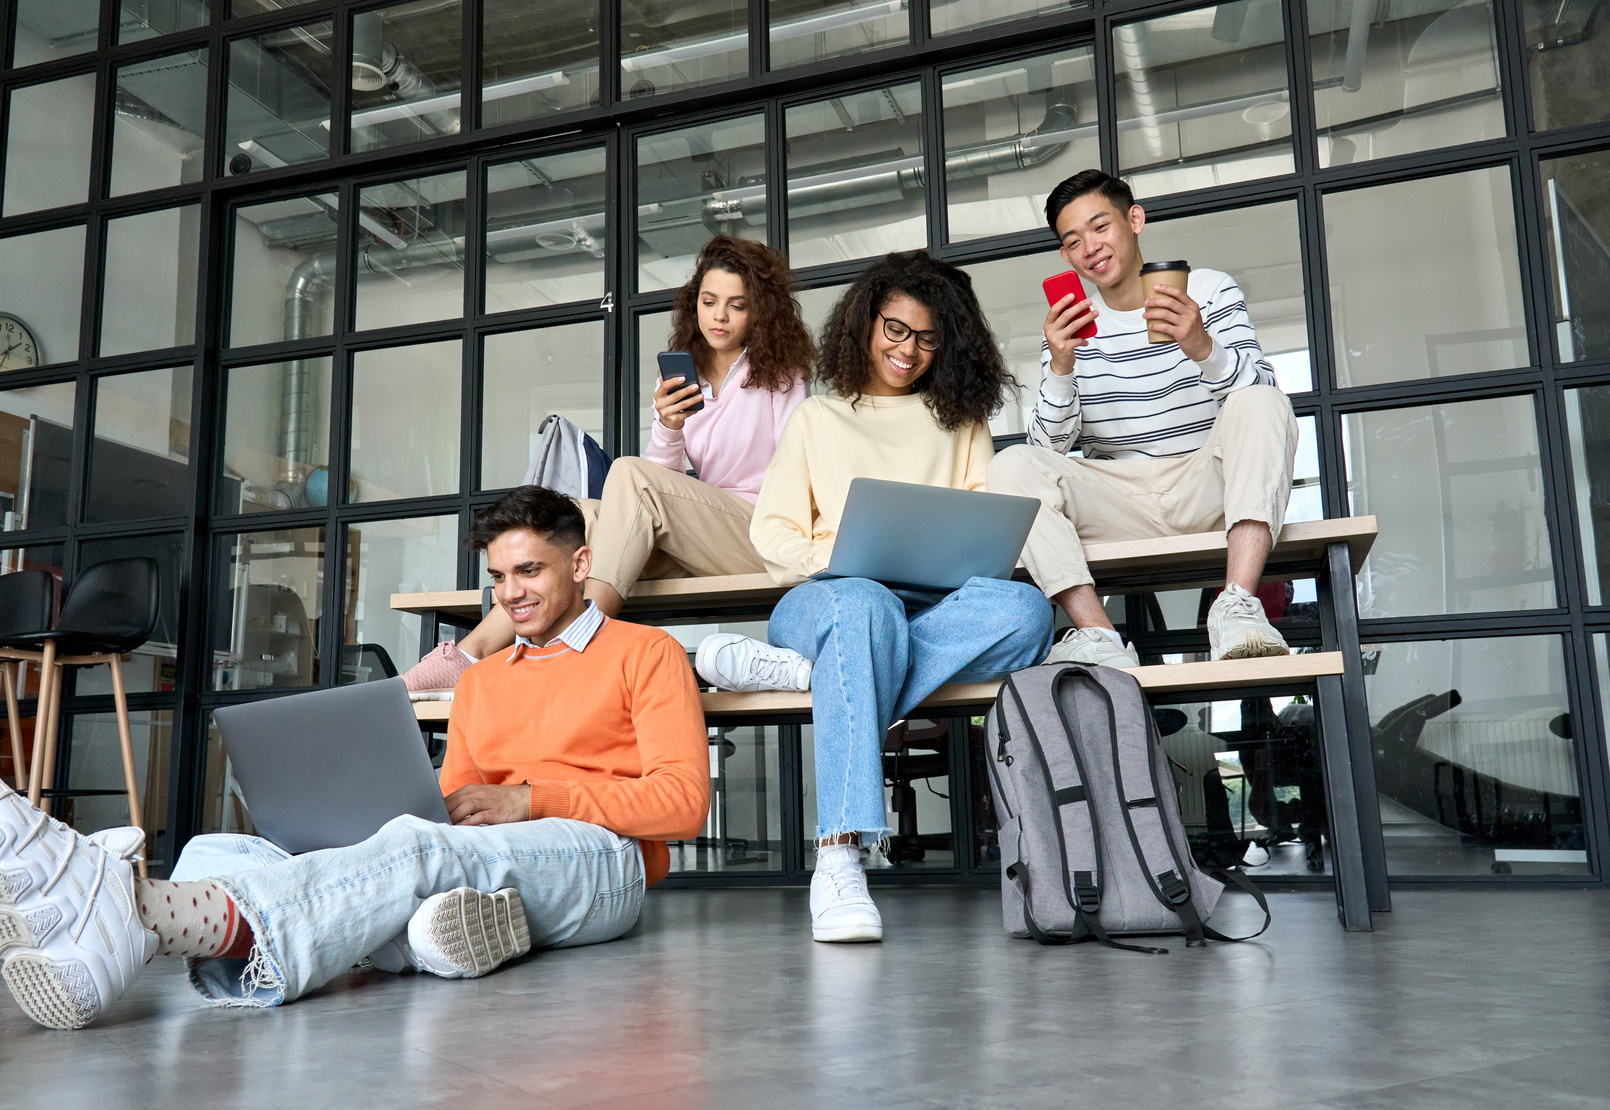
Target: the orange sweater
(613, 735)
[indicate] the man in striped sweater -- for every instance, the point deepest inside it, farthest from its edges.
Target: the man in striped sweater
(1185, 436)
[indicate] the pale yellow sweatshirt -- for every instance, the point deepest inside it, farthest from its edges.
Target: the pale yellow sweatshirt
(825, 444)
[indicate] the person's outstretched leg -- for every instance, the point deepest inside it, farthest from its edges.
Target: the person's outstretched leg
(855, 631)
(986, 629)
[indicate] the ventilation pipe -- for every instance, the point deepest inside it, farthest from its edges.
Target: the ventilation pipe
(377, 65)
(1130, 41)
(1358, 42)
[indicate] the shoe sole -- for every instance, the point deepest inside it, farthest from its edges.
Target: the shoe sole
(478, 932)
(19, 930)
(56, 995)
(1253, 644)
(848, 934)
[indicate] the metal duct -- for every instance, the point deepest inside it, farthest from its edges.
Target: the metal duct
(377, 65)
(1358, 42)
(1130, 41)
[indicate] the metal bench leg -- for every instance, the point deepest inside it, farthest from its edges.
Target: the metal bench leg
(1338, 614)
(1336, 762)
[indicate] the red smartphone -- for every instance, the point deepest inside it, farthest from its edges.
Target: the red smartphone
(1060, 286)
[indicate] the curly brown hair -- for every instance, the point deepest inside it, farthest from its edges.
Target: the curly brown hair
(780, 346)
(968, 381)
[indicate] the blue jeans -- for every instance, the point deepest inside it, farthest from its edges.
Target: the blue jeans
(316, 915)
(874, 665)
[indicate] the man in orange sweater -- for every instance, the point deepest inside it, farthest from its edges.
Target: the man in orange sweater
(571, 759)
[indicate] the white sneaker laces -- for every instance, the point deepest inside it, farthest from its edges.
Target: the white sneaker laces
(847, 881)
(1241, 605)
(34, 830)
(778, 670)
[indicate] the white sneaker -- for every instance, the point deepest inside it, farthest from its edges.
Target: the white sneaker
(1094, 647)
(1238, 629)
(841, 909)
(729, 661)
(55, 884)
(464, 933)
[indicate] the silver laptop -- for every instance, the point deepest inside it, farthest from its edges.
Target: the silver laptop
(928, 538)
(326, 769)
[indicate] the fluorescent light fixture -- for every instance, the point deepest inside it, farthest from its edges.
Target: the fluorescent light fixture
(329, 200)
(793, 29)
(448, 102)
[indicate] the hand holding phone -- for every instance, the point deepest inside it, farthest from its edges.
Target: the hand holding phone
(1070, 327)
(678, 393)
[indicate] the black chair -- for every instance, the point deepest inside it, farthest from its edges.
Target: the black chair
(111, 608)
(371, 658)
(27, 606)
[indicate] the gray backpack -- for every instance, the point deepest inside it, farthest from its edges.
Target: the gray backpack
(1092, 845)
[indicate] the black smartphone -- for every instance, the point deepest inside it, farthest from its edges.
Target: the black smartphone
(677, 369)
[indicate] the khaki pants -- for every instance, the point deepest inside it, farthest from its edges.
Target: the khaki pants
(1243, 472)
(653, 522)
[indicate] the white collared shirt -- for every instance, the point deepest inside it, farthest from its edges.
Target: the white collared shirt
(576, 637)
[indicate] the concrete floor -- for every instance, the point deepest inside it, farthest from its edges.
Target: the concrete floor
(1459, 999)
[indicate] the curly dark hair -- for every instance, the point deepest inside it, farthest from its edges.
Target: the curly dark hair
(968, 381)
(532, 509)
(780, 347)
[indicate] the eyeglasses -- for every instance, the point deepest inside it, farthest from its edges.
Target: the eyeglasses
(897, 330)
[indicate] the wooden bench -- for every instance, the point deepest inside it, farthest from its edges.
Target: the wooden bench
(1326, 550)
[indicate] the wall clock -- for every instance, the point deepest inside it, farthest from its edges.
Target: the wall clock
(19, 349)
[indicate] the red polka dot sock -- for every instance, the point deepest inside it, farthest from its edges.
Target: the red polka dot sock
(193, 919)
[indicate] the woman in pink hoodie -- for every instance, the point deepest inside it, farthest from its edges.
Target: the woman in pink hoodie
(738, 317)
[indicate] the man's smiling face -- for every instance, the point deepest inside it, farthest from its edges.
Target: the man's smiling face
(536, 582)
(1100, 242)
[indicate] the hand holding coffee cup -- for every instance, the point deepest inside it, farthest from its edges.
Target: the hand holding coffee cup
(1171, 315)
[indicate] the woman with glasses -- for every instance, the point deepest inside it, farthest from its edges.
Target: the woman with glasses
(914, 375)
(738, 317)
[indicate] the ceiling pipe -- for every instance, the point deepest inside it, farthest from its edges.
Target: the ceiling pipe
(1358, 43)
(1130, 41)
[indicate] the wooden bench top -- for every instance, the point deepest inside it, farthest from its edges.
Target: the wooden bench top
(1166, 678)
(1122, 566)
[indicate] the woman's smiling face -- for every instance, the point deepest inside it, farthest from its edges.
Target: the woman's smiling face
(896, 366)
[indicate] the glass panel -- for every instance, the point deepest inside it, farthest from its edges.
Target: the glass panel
(1009, 292)
(386, 557)
(545, 230)
(1203, 98)
(1587, 420)
(405, 406)
(148, 298)
(223, 804)
(146, 19)
(815, 304)
(744, 831)
(41, 287)
(1411, 77)
(949, 16)
(694, 184)
(1261, 247)
(1568, 61)
(279, 98)
(804, 31)
(1474, 758)
(411, 251)
(1249, 781)
(1392, 250)
(95, 762)
(48, 139)
(855, 176)
(1307, 500)
(1012, 132)
(665, 47)
(160, 125)
(536, 61)
(238, 8)
(140, 463)
(153, 667)
(653, 333)
(1577, 206)
(525, 376)
(49, 30)
(285, 268)
(276, 437)
(265, 609)
(36, 450)
(1458, 489)
(406, 63)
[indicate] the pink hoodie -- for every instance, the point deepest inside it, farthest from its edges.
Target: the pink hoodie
(731, 441)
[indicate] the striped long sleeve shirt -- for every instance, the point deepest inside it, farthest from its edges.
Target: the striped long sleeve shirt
(1128, 399)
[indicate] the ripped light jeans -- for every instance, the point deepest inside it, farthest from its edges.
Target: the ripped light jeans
(874, 664)
(316, 915)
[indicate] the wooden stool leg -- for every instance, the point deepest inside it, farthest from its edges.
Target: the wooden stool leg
(127, 745)
(14, 721)
(47, 671)
(52, 728)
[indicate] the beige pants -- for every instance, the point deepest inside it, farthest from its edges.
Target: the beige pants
(654, 522)
(1243, 472)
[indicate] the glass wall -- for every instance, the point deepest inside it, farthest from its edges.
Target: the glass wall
(287, 291)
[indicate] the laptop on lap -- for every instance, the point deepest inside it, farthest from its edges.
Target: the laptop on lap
(928, 538)
(326, 769)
